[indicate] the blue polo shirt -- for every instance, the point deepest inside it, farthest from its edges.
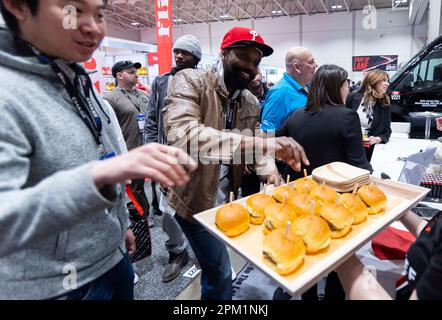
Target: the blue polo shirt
(286, 96)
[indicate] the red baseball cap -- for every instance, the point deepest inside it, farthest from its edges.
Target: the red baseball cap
(247, 37)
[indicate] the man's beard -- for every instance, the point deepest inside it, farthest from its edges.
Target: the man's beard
(233, 79)
(183, 65)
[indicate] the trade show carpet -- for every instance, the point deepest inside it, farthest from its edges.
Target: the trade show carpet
(150, 270)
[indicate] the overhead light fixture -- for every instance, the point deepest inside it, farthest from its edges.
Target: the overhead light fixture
(276, 11)
(135, 23)
(177, 20)
(338, 6)
(223, 16)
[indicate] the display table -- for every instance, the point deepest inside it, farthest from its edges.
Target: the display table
(385, 160)
(385, 156)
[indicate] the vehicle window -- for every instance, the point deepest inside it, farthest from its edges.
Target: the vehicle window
(435, 70)
(419, 73)
(429, 71)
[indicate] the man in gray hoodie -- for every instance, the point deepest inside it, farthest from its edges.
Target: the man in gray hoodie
(63, 222)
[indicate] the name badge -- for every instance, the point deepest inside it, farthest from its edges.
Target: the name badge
(141, 120)
(107, 155)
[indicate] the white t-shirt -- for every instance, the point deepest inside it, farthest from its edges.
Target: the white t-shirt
(365, 116)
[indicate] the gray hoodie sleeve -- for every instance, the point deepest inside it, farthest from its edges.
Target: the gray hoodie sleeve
(52, 205)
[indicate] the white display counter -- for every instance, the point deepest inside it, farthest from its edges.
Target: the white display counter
(385, 159)
(385, 156)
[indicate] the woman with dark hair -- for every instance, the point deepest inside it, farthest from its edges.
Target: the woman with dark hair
(325, 128)
(373, 107)
(328, 132)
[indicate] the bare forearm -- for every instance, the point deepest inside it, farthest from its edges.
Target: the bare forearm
(413, 222)
(360, 284)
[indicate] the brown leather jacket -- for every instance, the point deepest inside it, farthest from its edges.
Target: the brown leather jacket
(196, 106)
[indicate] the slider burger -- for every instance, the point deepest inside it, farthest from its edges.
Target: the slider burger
(305, 185)
(256, 205)
(277, 215)
(232, 219)
(355, 206)
(302, 203)
(374, 198)
(278, 192)
(324, 194)
(314, 231)
(338, 218)
(285, 253)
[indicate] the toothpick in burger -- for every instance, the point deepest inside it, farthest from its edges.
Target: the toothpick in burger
(256, 205)
(314, 231)
(324, 194)
(338, 218)
(284, 252)
(355, 205)
(302, 203)
(277, 215)
(232, 219)
(305, 185)
(374, 198)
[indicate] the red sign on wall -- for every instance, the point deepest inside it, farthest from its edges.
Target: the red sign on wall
(163, 13)
(152, 58)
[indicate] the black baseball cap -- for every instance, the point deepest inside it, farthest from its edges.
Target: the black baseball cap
(123, 65)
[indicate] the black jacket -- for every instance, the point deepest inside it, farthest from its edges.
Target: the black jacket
(381, 125)
(333, 134)
(154, 126)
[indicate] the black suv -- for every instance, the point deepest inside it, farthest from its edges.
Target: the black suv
(417, 88)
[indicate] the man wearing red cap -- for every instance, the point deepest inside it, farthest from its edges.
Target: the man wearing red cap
(202, 108)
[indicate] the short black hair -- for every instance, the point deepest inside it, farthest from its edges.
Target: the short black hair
(11, 20)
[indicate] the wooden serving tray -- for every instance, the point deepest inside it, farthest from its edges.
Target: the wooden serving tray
(400, 198)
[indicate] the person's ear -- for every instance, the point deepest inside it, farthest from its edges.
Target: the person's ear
(19, 9)
(224, 54)
(296, 68)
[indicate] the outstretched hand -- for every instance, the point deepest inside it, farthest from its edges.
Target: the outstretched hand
(287, 150)
(166, 165)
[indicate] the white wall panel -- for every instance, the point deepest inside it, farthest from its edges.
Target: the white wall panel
(331, 37)
(133, 35)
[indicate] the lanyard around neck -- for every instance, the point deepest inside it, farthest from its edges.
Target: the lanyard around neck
(137, 106)
(81, 102)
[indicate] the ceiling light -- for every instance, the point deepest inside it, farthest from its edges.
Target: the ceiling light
(177, 20)
(135, 23)
(223, 16)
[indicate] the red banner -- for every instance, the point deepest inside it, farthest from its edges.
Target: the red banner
(163, 13)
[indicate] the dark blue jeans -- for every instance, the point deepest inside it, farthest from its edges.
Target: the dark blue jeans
(216, 273)
(116, 284)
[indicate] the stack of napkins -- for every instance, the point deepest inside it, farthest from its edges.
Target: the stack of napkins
(341, 176)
